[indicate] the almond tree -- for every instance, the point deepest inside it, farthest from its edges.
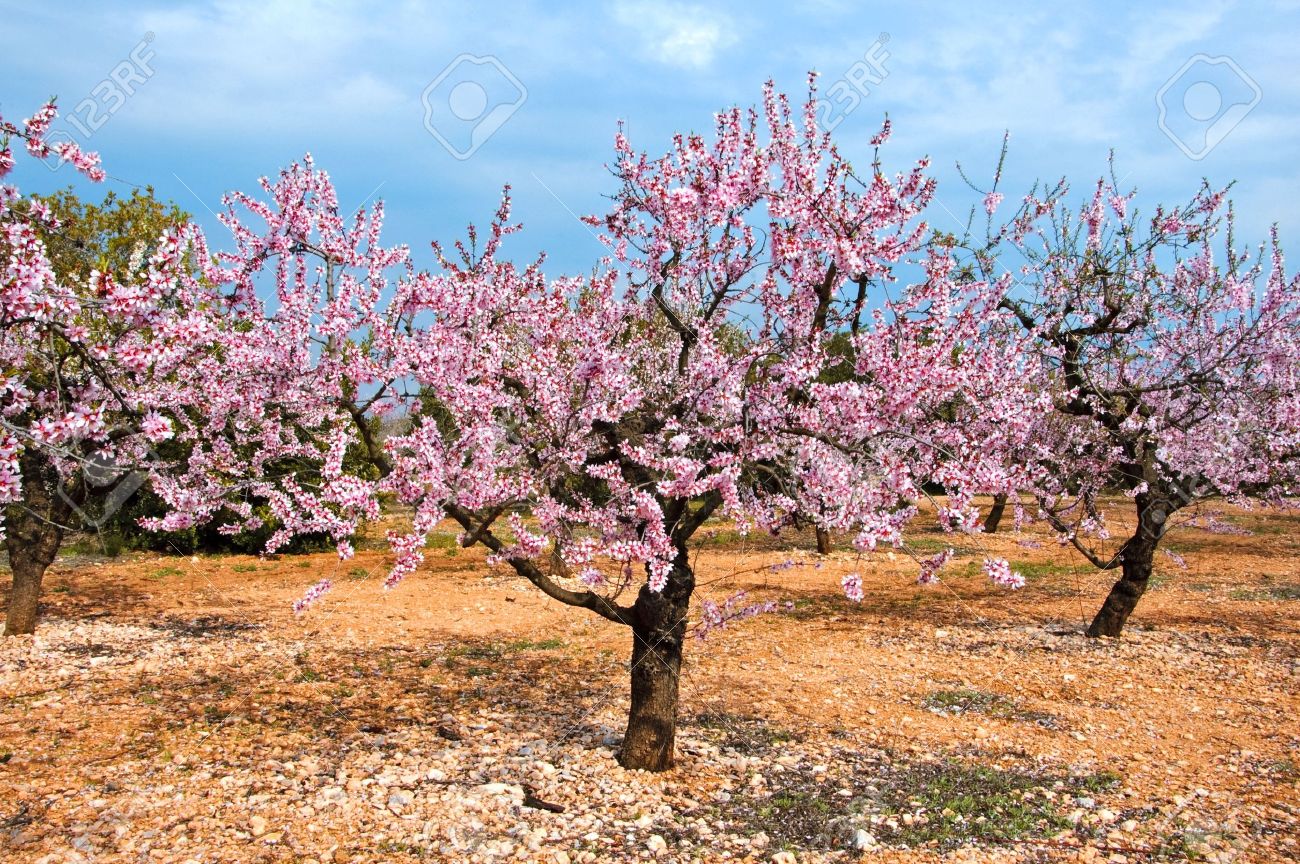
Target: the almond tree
(87, 382)
(587, 428)
(1171, 357)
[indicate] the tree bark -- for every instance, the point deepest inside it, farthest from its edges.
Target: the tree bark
(33, 539)
(1137, 561)
(994, 518)
(823, 541)
(658, 634)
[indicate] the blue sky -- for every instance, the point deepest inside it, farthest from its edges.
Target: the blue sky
(235, 89)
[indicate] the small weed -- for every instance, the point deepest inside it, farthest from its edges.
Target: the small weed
(164, 573)
(1285, 769)
(306, 674)
(479, 671)
(396, 847)
(244, 568)
(358, 573)
(1102, 781)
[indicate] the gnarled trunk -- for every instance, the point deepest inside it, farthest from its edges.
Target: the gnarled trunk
(823, 541)
(994, 518)
(658, 633)
(1137, 561)
(33, 538)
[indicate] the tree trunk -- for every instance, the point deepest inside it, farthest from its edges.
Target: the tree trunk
(823, 541)
(1137, 560)
(994, 518)
(33, 538)
(658, 632)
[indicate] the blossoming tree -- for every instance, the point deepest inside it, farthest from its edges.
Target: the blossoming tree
(1172, 360)
(585, 429)
(87, 368)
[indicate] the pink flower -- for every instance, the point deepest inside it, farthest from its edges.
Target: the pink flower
(999, 570)
(156, 427)
(852, 584)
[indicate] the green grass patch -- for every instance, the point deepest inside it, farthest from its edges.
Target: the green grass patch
(963, 701)
(306, 674)
(940, 805)
(539, 645)
(488, 651)
(923, 545)
(744, 734)
(967, 701)
(1049, 570)
(952, 804)
(164, 573)
(1268, 592)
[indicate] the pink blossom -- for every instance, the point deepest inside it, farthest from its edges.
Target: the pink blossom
(999, 571)
(156, 427)
(313, 594)
(852, 584)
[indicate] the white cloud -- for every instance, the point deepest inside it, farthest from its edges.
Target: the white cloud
(678, 34)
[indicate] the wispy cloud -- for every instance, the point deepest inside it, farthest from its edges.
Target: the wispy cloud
(677, 34)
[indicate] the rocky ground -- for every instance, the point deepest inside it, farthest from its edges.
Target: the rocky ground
(173, 709)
